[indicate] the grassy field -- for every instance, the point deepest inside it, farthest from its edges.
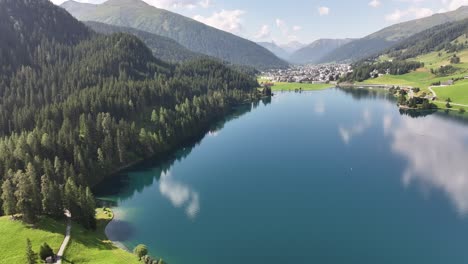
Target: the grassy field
(94, 247)
(458, 93)
(282, 86)
(14, 235)
(423, 78)
(305, 86)
(85, 246)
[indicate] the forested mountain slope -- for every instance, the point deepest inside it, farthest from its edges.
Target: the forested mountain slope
(192, 34)
(433, 39)
(76, 105)
(163, 48)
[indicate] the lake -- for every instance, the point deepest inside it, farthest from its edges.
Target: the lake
(334, 176)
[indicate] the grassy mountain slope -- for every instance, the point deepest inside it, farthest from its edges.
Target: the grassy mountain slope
(163, 48)
(436, 48)
(387, 37)
(317, 50)
(192, 34)
(433, 39)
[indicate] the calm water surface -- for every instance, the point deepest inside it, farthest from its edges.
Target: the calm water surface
(320, 177)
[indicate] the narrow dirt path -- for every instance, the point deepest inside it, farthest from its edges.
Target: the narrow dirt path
(66, 240)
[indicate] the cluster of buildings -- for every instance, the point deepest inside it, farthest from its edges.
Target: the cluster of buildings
(308, 73)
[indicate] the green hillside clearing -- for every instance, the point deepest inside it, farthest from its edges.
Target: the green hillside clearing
(85, 246)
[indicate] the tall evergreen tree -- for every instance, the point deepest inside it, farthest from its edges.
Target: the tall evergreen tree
(8, 198)
(30, 255)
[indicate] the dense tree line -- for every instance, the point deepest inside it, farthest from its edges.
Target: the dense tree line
(74, 109)
(363, 70)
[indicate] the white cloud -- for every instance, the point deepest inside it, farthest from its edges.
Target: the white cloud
(453, 4)
(296, 28)
(264, 32)
(323, 10)
(407, 14)
(375, 3)
(227, 20)
(286, 30)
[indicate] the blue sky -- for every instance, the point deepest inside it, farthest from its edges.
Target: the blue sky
(302, 20)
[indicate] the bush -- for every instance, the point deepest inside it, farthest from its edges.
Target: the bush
(462, 110)
(140, 250)
(45, 251)
(455, 59)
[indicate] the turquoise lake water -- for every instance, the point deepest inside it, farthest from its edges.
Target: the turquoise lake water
(318, 177)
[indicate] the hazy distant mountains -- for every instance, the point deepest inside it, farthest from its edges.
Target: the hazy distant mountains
(317, 50)
(390, 36)
(195, 36)
(305, 54)
(275, 49)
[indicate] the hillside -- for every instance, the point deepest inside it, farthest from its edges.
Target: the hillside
(443, 52)
(163, 48)
(314, 52)
(192, 34)
(434, 39)
(75, 105)
(85, 246)
(387, 37)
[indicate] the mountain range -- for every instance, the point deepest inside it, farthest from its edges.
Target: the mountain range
(318, 49)
(275, 49)
(387, 37)
(163, 48)
(195, 36)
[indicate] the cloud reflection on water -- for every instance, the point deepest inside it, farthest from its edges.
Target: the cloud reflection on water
(179, 194)
(348, 133)
(437, 155)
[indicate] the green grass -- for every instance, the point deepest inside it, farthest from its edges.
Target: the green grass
(423, 79)
(416, 79)
(458, 92)
(14, 234)
(85, 246)
(94, 247)
(305, 86)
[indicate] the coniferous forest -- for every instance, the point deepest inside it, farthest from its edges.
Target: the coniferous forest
(76, 105)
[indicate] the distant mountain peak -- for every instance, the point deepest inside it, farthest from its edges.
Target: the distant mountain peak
(126, 2)
(195, 36)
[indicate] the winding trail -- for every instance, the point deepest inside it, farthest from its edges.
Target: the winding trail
(66, 239)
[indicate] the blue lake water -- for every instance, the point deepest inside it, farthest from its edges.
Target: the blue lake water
(318, 177)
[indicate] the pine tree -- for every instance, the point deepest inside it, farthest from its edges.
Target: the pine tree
(8, 198)
(30, 255)
(24, 196)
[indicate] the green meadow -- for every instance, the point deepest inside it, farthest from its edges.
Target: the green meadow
(85, 246)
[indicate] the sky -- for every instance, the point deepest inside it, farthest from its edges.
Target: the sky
(301, 20)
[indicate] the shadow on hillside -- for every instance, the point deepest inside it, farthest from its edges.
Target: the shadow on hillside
(48, 224)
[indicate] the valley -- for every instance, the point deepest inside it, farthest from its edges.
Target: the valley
(206, 132)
